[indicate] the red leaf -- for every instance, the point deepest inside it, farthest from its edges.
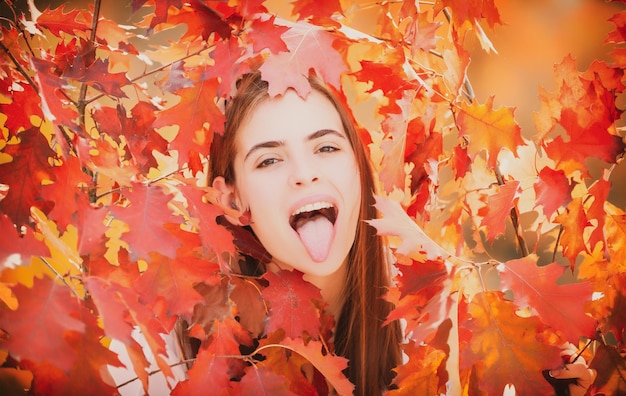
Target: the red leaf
(146, 216)
(331, 367)
(65, 192)
(228, 64)
(593, 141)
(318, 12)
(506, 347)
(71, 22)
(174, 280)
(552, 190)
(291, 306)
(201, 20)
(26, 245)
(24, 176)
(266, 34)
(472, 12)
(25, 103)
(91, 226)
(208, 372)
(214, 237)
(499, 208)
(38, 329)
(262, 381)
(55, 105)
(561, 306)
(310, 48)
(196, 107)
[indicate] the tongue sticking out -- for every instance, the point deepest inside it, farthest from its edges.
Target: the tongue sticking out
(316, 234)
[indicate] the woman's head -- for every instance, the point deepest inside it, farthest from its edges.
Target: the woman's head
(298, 166)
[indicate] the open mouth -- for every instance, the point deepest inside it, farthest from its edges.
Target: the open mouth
(311, 211)
(315, 225)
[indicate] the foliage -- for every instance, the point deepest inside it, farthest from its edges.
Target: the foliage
(108, 225)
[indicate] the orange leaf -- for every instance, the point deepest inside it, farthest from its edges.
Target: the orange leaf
(489, 129)
(499, 208)
(574, 221)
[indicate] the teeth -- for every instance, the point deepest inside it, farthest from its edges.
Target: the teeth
(313, 206)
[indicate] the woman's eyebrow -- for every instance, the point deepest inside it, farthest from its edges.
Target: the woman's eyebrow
(268, 144)
(278, 143)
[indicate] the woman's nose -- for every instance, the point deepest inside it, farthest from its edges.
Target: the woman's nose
(303, 172)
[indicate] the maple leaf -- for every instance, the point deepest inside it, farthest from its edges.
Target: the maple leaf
(291, 307)
(506, 346)
(553, 190)
(471, 11)
(24, 175)
(499, 208)
(559, 306)
(309, 48)
(489, 129)
(161, 9)
(600, 192)
(318, 13)
(146, 216)
(201, 20)
(37, 329)
(574, 221)
(387, 80)
(461, 162)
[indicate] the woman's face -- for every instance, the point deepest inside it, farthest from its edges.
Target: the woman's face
(297, 173)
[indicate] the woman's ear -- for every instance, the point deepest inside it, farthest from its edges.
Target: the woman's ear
(227, 200)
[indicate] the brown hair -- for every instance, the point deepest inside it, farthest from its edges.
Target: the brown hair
(373, 350)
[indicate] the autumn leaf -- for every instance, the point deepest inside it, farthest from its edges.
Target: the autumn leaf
(262, 381)
(318, 13)
(37, 330)
(174, 280)
(25, 104)
(499, 207)
(574, 221)
(507, 346)
(309, 48)
(208, 372)
(145, 217)
(488, 129)
(561, 306)
(26, 245)
(291, 306)
(24, 175)
(71, 22)
(610, 365)
(266, 34)
(419, 375)
(553, 190)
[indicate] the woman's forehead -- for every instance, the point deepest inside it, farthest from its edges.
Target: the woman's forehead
(289, 116)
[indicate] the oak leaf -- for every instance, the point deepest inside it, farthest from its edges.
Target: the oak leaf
(310, 47)
(266, 34)
(574, 221)
(290, 298)
(145, 217)
(506, 345)
(561, 306)
(25, 103)
(37, 330)
(71, 22)
(419, 375)
(25, 174)
(553, 190)
(499, 207)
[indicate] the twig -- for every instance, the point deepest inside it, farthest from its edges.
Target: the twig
(81, 104)
(19, 67)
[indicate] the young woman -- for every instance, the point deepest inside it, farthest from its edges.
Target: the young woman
(298, 167)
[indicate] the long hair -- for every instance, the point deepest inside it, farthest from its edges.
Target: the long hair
(372, 350)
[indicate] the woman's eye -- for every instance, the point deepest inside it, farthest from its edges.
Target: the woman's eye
(327, 149)
(267, 162)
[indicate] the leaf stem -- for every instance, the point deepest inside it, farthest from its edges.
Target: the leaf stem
(514, 217)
